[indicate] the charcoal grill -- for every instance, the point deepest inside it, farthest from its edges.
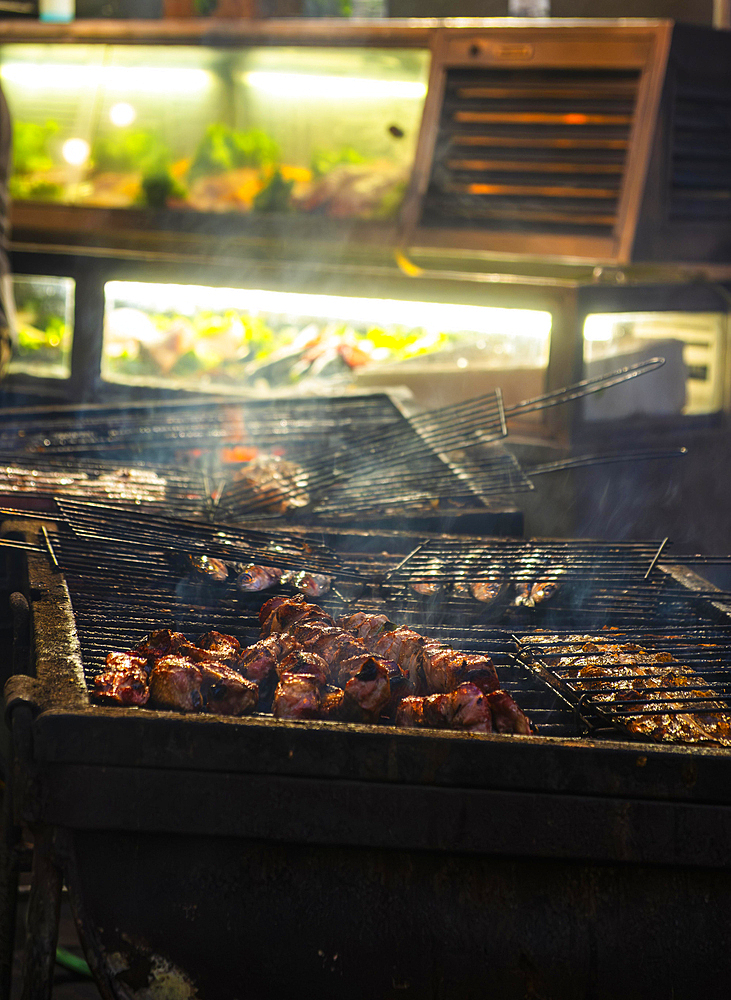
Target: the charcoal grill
(248, 857)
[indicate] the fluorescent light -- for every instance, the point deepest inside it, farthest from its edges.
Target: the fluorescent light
(304, 85)
(76, 152)
(430, 316)
(74, 76)
(122, 114)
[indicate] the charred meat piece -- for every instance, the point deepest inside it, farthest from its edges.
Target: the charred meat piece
(217, 642)
(196, 654)
(507, 716)
(410, 712)
(176, 682)
(124, 682)
(406, 648)
(543, 590)
(273, 603)
(332, 702)
(286, 614)
(161, 643)
(366, 627)
(486, 591)
(343, 670)
(254, 578)
(445, 669)
(213, 569)
(123, 661)
(312, 584)
(367, 693)
(297, 697)
(301, 662)
(328, 641)
(470, 709)
(258, 662)
(429, 581)
(465, 708)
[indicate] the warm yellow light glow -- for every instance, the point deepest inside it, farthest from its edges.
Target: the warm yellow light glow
(338, 88)
(76, 152)
(122, 114)
(600, 326)
(68, 76)
(432, 317)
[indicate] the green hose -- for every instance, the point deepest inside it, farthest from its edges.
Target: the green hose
(72, 962)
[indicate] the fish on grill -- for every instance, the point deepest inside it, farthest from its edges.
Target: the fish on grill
(212, 569)
(671, 701)
(533, 594)
(177, 682)
(125, 681)
(254, 578)
(312, 584)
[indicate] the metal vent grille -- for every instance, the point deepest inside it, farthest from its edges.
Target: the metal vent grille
(701, 152)
(541, 151)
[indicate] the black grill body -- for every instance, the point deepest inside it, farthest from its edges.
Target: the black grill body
(247, 857)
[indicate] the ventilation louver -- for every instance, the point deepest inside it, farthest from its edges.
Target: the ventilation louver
(539, 151)
(701, 151)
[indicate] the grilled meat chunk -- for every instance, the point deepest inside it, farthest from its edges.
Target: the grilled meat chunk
(466, 708)
(254, 578)
(367, 693)
(487, 591)
(297, 697)
(445, 669)
(161, 643)
(507, 716)
(410, 712)
(328, 641)
(258, 662)
(273, 603)
(217, 642)
(176, 682)
(365, 627)
(301, 662)
(332, 702)
(406, 648)
(296, 609)
(124, 682)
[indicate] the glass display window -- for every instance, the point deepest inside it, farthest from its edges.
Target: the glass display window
(692, 380)
(44, 326)
(260, 340)
(330, 131)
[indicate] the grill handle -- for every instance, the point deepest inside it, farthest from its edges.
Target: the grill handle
(608, 458)
(584, 388)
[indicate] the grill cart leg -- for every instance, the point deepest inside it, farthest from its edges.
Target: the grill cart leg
(8, 893)
(43, 915)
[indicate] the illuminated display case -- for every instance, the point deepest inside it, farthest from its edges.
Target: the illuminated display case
(264, 341)
(271, 129)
